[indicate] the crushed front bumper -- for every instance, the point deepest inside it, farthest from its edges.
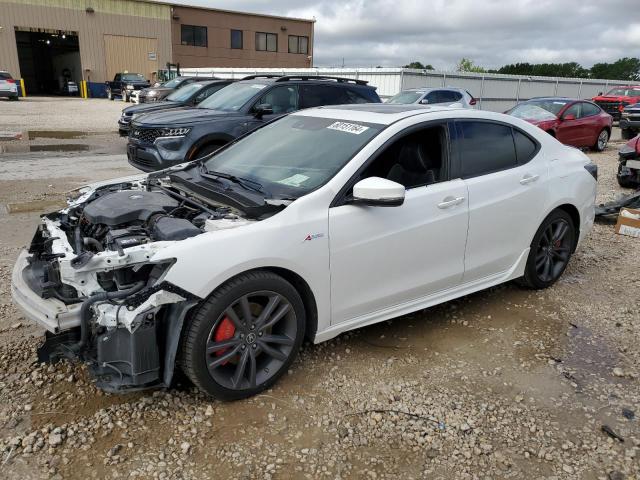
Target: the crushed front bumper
(52, 314)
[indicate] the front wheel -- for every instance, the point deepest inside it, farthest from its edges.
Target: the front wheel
(244, 336)
(125, 98)
(602, 140)
(109, 95)
(550, 252)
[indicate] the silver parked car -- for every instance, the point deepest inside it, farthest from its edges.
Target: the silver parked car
(8, 86)
(451, 97)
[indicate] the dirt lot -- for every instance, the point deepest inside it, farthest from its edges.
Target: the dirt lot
(506, 383)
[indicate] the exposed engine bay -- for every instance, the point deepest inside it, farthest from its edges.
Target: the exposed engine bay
(108, 304)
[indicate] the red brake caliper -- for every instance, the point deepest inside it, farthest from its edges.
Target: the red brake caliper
(224, 331)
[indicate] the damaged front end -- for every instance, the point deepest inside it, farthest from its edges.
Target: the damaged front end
(629, 164)
(90, 280)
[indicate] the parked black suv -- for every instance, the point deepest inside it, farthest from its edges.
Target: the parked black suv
(187, 96)
(163, 139)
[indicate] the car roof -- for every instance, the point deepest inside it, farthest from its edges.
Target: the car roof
(269, 79)
(563, 99)
(429, 89)
(380, 113)
(209, 81)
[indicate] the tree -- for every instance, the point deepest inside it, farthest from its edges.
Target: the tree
(570, 69)
(622, 69)
(467, 65)
(418, 66)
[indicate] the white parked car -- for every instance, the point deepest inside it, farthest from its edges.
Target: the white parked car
(323, 221)
(444, 97)
(8, 86)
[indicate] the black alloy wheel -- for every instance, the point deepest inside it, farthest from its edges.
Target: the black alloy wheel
(244, 336)
(550, 251)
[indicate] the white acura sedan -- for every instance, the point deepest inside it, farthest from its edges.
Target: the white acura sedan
(323, 221)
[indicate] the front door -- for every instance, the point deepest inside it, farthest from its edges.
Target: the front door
(283, 99)
(383, 257)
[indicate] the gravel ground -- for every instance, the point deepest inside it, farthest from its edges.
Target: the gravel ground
(505, 383)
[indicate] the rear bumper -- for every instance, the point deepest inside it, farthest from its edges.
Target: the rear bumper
(50, 313)
(8, 94)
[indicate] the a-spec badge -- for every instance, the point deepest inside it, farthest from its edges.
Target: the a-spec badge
(313, 236)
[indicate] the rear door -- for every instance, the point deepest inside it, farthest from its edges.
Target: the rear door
(506, 177)
(592, 123)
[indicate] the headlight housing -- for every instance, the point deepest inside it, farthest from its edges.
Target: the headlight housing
(129, 87)
(151, 93)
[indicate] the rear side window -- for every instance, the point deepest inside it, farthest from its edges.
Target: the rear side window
(318, 95)
(589, 109)
(526, 148)
(485, 147)
(447, 96)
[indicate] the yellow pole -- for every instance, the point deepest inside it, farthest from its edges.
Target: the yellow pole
(83, 89)
(24, 93)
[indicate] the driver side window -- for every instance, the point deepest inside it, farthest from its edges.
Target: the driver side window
(415, 160)
(574, 110)
(283, 99)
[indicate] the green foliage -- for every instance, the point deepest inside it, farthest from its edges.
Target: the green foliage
(622, 69)
(418, 66)
(467, 65)
(567, 70)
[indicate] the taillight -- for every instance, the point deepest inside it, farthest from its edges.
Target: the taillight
(472, 101)
(10, 80)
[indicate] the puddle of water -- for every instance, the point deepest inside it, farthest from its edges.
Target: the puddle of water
(68, 147)
(62, 135)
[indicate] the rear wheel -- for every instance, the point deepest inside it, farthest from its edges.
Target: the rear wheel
(550, 252)
(244, 336)
(602, 140)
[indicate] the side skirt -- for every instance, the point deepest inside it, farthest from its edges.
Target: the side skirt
(516, 271)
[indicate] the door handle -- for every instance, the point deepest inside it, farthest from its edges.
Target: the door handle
(450, 202)
(528, 178)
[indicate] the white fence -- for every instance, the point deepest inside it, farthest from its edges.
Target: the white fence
(494, 91)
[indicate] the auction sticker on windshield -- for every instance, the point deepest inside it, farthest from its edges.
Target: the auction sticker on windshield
(348, 127)
(294, 180)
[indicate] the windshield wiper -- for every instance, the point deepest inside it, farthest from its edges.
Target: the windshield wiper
(243, 182)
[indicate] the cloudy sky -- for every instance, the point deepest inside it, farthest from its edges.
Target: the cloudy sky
(439, 32)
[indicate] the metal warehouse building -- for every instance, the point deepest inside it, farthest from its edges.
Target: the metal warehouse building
(45, 42)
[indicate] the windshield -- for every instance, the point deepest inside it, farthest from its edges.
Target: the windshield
(624, 92)
(406, 97)
(532, 111)
(133, 77)
(233, 97)
(294, 155)
(184, 93)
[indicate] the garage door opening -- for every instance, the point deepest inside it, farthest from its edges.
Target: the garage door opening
(49, 61)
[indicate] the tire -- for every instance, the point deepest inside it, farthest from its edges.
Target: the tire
(624, 181)
(109, 95)
(545, 249)
(207, 150)
(628, 134)
(124, 96)
(221, 352)
(601, 141)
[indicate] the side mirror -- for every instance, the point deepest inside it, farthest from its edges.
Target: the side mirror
(262, 110)
(157, 84)
(378, 192)
(600, 94)
(424, 101)
(569, 117)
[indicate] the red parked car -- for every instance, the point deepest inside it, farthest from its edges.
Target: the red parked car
(575, 122)
(617, 98)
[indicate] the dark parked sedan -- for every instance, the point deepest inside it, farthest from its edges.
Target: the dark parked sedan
(191, 95)
(160, 92)
(572, 121)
